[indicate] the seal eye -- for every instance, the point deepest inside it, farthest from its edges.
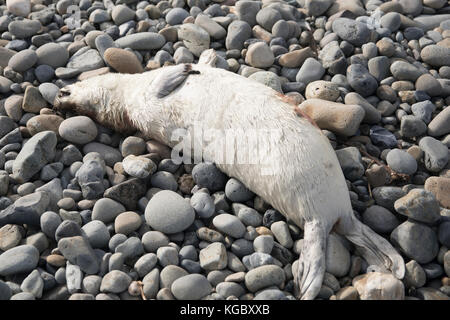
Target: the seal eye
(64, 92)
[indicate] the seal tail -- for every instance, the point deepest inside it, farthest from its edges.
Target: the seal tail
(375, 249)
(311, 264)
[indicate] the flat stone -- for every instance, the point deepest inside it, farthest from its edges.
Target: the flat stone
(337, 257)
(52, 54)
(20, 259)
(263, 277)
(90, 176)
(361, 80)
(229, 224)
(24, 28)
(191, 287)
(23, 60)
(436, 56)
(440, 125)
(26, 210)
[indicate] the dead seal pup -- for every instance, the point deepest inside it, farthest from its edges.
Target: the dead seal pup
(307, 186)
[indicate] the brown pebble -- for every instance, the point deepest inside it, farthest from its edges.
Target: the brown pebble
(440, 187)
(56, 260)
(44, 122)
(122, 60)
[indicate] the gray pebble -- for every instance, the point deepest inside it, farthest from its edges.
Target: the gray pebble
(115, 282)
(191, 287)
(106, 210)
(402, 162)
(19, 259)
(380, 219)
(435, 154)
(229, 224)
(406, 236)
(167, 256)
(97, 234)
(203, 204)
(152, 240)
(23, 60)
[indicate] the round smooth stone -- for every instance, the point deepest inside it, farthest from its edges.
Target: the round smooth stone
(401, 161)
(168, 212)
(78, 129)
(191, 287)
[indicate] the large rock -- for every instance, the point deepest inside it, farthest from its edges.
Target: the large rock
(36, 153)
(337, 117)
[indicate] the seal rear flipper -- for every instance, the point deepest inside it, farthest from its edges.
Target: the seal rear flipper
(169, 79)
(311, 264)
(375, 249)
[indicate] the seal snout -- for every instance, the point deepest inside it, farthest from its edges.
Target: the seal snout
(62, 99)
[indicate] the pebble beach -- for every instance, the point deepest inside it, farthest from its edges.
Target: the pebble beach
(87, 213)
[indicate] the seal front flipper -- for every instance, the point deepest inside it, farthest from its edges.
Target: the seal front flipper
(168, 80)
(311, 265)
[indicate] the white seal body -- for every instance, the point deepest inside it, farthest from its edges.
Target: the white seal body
(293, 166)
